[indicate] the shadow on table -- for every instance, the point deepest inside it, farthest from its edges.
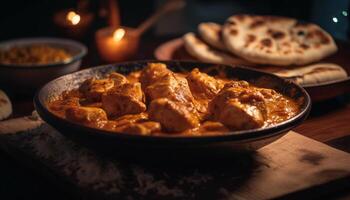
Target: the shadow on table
(330, 105)
(206, 176)
(342, 143)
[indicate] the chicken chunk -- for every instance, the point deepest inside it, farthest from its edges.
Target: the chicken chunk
(172, 87)
(126, 99)
(203, 88)
(152, 126)
(134, 77)
(60, 106)
(172, 103)
(131, 118)
(144, 128)
(93, 88)
(64, 103)
(118, 79)
(212, 126)
(152, 73)
(242, 91)
(202, 85)
(87, 115)
(173, 116)
(134, 124)
(239, 108)
(239, 116)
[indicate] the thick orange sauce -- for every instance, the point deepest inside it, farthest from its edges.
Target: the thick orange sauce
(267, 104)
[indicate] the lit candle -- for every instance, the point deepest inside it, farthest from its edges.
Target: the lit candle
(116, 45)
(72, 23)
(73, 18)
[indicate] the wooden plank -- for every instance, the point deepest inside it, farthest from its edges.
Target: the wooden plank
(326, 127)
(291, 165)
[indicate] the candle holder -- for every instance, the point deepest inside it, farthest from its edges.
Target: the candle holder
(117, 44)
(72, 23)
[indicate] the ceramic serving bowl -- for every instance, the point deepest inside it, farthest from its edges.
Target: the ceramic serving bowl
(27, 78)
(246, 140)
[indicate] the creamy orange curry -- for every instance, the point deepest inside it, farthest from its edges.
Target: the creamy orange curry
(157, 101)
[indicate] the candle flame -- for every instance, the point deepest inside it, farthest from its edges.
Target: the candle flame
(118, 34)
(73, 17)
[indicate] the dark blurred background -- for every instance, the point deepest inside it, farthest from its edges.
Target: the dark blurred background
(23, 18)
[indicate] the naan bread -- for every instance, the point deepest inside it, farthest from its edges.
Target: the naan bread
(201, 51)
(211, 33)
(313, 74)
(276, 40)
(5, 106)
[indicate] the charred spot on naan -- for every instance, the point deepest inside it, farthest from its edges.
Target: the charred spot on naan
(231, 22)
(324, 39)
(302, 33)
(249, 39)
(299, 51)
(233, 31)
(304, 46)
(256, 23)
(286, 44)
(309, 35)
(286, 52)
(266, 42)
(275, 34)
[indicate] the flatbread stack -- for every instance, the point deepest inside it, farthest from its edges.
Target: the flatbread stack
(262, 41)
(276, 40)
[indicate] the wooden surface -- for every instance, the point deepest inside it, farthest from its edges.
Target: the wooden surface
(293, 166)
(329, 120)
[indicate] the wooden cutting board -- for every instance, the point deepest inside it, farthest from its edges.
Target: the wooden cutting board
(293, 166)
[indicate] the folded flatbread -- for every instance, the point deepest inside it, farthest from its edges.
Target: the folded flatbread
(314, 74)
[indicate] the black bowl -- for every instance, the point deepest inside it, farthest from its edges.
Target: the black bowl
(234, 140)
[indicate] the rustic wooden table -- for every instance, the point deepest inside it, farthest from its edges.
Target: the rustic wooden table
(329, 122)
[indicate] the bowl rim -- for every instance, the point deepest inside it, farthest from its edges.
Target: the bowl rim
(83, 50)
(249, 134)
